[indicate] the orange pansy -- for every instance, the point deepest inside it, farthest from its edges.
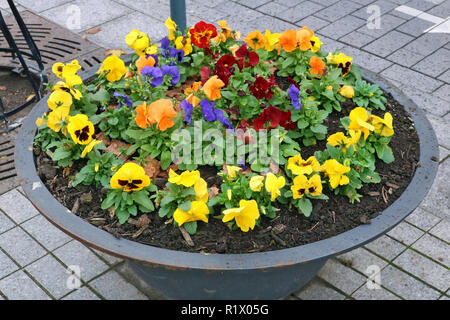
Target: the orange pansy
(141, 118)
(288, 40)
(318, 66)
(161, 112)
(212, 88)
(144, 62)
(189, 92)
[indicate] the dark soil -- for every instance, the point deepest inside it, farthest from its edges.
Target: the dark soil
(288, 229)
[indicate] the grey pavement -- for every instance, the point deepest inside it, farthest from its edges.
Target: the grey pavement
(408, 45)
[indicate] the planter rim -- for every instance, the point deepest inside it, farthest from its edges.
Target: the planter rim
(81, 230)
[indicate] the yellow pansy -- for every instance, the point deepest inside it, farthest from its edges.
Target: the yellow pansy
(245, 216)
(255, 40)
(232, 172)
(59, 98)
(114, 68)
(184, 43)
(171, 26)
(353, 139)
(80, 129)
(90, 146)
(347, 91)
(58, 118)
(302, 185)
(299, 166)
(201, 190)
(130, 177)
(274, 184)
(337, 139)
(336, 173)
(186, 178)
(359, 121)
(256, 183)
(198, 211)
(316, 44)
(40, 122)
(62, 70)
(68, 86)
(341, 60)
(382, 126)
(153, 49)
(271, 40)
(138, 41)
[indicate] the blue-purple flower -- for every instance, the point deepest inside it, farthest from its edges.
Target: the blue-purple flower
(211, 114)
(188, 108)
(165, 43)
(293, 94)
(155, 75)
(125, 99)
(173, 72)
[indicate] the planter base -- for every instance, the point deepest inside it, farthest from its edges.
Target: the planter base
(194, 284)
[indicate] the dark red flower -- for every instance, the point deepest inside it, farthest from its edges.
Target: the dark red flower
(261, 89)
(202, 33)
(271, 118)
(246, 58)
(226, 61)
(204, 73)
(292, 81)
(224, 68)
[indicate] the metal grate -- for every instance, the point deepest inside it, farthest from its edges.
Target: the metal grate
(54, 42)
(8, 178)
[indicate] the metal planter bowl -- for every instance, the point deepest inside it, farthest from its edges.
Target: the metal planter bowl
(264, 275)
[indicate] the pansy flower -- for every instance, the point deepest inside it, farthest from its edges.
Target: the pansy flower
(292, 39)
(90, 146)
(80, 129)
(341, 60)
(271, 40)
(246, 58)
(69, 86)
(225, 32)
(211, 114)
(255, 40)
(336, 173)
(316, 44)
(347, 91)
(256, 183)
(211, 88)
(317, 65)
(184, 43)
(154, 74)
(130, 177)
(186, 178)
(224, 68)
(261, 88)
(124, 99)
(162, 113)
(293, 93)
(165, 43)
(198, 211)
(298, 166)
(302, 185)
(190, 93)
(172, 27)
(138, 41)
(173, 72)
(145, 61)
(59, 98)
(272, 117)
(57, 119)
(114, 68)
(188, 108)
(359, 121)
(273, 185)
(62, 70)
(201, 33)
(245, 216)
(382, 126)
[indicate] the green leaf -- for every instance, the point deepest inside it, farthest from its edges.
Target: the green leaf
(122, 215)
(166, 159)
(190, 227)
(319, 128)
(141, 197)
(305, 206)
(287, 62)
(101, 96)
(185, 206)
(109, 200)
(61, 153)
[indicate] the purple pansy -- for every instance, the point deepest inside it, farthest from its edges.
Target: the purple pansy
(293, 94)
(155, 74)
(220, 115)
(165, 43)
(211, 114)
(173, 72)
(188, 108)
(128, 102)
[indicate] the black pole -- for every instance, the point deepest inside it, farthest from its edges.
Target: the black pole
(178, 13)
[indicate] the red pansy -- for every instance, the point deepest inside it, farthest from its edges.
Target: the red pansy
(271, 118)
(262, 88)
(246, 58)
(202, 33)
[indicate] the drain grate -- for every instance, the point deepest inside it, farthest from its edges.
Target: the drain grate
(8, 177)
(54, 42)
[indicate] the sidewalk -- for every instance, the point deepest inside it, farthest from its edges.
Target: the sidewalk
(414, 258)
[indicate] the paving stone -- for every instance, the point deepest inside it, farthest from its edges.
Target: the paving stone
(19, 286)
(45, 233)
(434, 248)
(406, 286)
(342, 27)
(416, 26)
(434, 64)
(113, 287)
(405, 233)
(441, 129)
(422, 219)
(7, 265)
(109, 259)
(388, 43)
(369, 61)
(252, 3)
(271, 23)
(312, 23)
(422, 5)
(272, 8)
(386, 247)
(5, 223)
(329, 44)
(341, 276)
(41, 5)
(388, 22)
(443, 152)
(443, 92)
(357, 39)
(84, 293)
(364, 2)
(211, 15)
(51, 274)
(16, 206)
(361, 259)
(76, 254)
(408, 77)
(208, 3)
(24, 251)
(424, 269)
(156, 9)
(384, 5)
(318, 290)
(442, 10)
(338, 10)
(112, 35)
(428, 43)
(444, 298)
(292, 3)
(405, 57)
(442, 230)
(301, 11)
(364, 293)
(90, 15)
(445, 76)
